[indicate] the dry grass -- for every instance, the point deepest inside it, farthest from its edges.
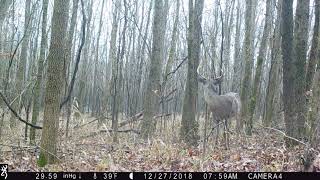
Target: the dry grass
(83, 151)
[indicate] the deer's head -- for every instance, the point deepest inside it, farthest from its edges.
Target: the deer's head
(210, 84)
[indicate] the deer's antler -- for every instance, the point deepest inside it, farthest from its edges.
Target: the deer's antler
(200, 77)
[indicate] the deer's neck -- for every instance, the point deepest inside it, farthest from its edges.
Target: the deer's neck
(208, 94)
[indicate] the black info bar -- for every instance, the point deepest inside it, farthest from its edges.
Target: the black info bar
(156, 175)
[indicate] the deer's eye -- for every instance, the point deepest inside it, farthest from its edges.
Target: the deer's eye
(213, 87)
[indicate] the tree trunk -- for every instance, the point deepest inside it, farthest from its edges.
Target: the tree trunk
(141, 58)
(48, 153)
(245, 89)
(300, 54)
(236, 56)
(173, 45)
(84, 68)
(288, 68)
(37, 88)
(148, 125)
(314, 112)
(314, 48)
(228, 28)
(117, 77)
(97, 65)
(68, 60)
(112, 51)
(20, 76)
(260, 60)
(189, 125)
(274, 70)
(5, 4)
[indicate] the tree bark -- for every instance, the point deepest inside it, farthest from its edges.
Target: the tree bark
(237, 58)
(21, 72)
(112, 51)
(300, 54)
(148, 125)
(37, 88)
(5, 4)
(246, 81)
(314, 48)
(48, 153)
(141, 58)
(189, 125)
(288, 68)
(260, 60)
(96, 66)
(117, 77)
(273, 83)
(84, 68)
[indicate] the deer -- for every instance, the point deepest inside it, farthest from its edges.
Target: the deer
(222, 107)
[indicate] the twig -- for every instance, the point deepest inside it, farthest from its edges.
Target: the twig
(176, 69)
(206, 138)
(284, 134)
(78, 57)
(77, 126)
(165, 98)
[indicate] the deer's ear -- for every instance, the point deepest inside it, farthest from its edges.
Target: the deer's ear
(202, 79)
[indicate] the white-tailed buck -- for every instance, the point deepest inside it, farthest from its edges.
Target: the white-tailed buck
(222, 107)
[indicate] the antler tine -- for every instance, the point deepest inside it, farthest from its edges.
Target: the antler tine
(199, 73)
(219, 77)
(200, 77)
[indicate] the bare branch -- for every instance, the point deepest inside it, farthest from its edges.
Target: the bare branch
(176, 69)
(16, 114)
(83, 27)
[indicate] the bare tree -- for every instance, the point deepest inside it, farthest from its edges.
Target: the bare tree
(54, 89)
(21, 72)
(85, 63)
(36, 97)
(117, 76)
(113, 48)
(96, 65)
(288, 68)
(5, 4)
(300, 54)
(237, 48)
(246, 81)
(260, 60)
(313, 56)
(148, 124)
(189, 126)
(273, 83)
(314, 75)
(69, 57)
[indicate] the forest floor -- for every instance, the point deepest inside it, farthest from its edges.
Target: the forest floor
(87, 150)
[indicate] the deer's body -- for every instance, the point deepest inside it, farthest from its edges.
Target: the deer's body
(222, 107)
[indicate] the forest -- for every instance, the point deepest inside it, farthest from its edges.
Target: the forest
(160, 85)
